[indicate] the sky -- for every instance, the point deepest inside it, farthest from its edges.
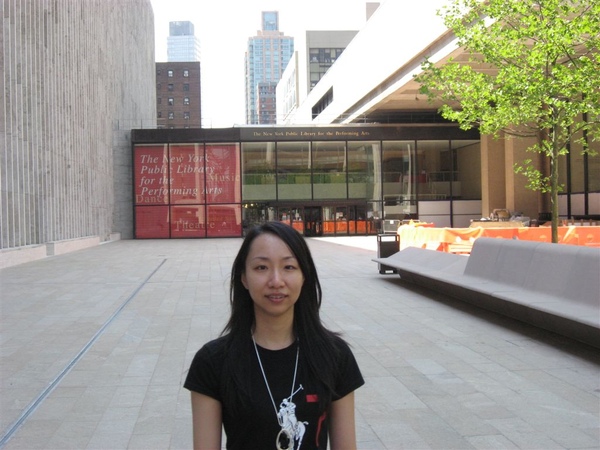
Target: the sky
(223, 28)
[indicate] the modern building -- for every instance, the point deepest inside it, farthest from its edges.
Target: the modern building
(323, 48)
(315, 53)
(182, 43)
(387, 93)
(323, 180)
(266, 57)
(70, 99)
(308, 65)
(178, 95)
(364, 148)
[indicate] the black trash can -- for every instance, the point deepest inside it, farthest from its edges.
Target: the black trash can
(387, 245)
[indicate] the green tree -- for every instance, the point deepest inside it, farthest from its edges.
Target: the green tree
(533, 71)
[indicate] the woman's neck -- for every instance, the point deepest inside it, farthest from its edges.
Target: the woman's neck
(273, 336)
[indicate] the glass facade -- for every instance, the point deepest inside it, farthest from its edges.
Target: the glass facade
(329, 173)
(294, 171)
(321, 183)
(578, 177)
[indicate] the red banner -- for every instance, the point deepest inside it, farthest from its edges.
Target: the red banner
(151, 175)
(187, 191)
(188, 221)
(151, 222)
(187, 174)
(222, 173)
(224, 220)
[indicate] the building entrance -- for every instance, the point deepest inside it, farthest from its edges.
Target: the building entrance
(314, 220)
(313, 223)
(326, 220)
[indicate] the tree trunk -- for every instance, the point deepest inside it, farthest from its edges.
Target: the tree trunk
(554, 185)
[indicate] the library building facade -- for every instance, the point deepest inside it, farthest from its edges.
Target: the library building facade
(322, 180)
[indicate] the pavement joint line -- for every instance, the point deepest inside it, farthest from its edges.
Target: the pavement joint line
(48, 390)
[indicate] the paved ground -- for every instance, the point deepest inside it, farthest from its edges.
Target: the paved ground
(95, 345)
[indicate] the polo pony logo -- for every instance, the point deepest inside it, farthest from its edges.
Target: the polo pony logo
(292, 430)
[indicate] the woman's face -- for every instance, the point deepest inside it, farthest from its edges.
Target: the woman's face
(273, 277)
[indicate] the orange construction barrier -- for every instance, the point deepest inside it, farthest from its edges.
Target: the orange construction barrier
(458, 240)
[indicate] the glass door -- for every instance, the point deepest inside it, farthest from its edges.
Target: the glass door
(313, 221)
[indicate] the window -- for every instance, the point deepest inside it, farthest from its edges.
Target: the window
(436, 176)
(186, 100)
(158, 86)
(159, 100)
(186, 87)
(323, 103)
(400, 179)
(186, 115)
(329, 170)
(171, 101)
(258, 167)
(466, 182)
(158, 72)
(170, 87)
(293, 171)
(362, 176)
(186, 73)
(159, 114)
(170, 73)
(171, 115)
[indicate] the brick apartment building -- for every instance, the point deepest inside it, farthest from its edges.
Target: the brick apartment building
(178, 95)
(265, 103)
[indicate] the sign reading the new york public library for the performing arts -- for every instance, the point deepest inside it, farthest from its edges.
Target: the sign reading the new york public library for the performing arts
(187, 191)
(305, 133)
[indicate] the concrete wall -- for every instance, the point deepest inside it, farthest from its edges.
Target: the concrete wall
(77, 76)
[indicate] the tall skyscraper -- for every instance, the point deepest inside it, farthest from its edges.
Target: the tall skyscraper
(266, 58)
(182, 44)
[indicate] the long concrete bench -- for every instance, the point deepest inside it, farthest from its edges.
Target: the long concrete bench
(552, 286)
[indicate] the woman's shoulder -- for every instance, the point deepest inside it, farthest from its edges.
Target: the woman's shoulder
(340, 344)
(206, 369)
(213, 351)
(215, 347)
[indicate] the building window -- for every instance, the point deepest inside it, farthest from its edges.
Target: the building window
(159, 115)
(159, 100)
(259, 172)
(158, 86)
(170, 73)
(186, 100)
(293, 170)
(186, 73)
(170, 87)
(171, 101)
(158, 72)
(323, 103)
(186, 115)
(171, 115)
(186, 87)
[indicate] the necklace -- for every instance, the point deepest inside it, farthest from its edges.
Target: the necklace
(291, 429)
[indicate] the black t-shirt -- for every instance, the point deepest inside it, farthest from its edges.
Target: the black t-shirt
(257, 426)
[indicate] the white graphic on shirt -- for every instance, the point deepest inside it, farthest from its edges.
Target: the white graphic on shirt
(291, 427)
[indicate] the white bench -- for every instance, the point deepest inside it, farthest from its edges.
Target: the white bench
(552, 286)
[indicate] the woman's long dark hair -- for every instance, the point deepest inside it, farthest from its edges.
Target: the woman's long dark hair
(317, 344)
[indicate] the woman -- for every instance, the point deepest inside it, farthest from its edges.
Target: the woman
(276, 378)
